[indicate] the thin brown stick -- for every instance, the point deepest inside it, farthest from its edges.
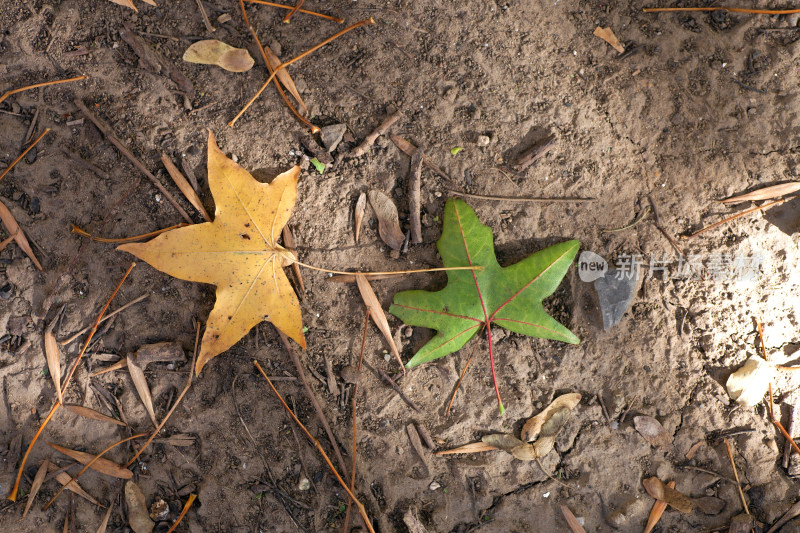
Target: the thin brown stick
(370, 139)
(289, 15)
(734, 217)
(362, 511)
(313, 128)
(189, 502)
(519, 198)
(56, 405)
(458, 385)
(203, 13)
(288, 242)
(88, 465)
(414, 179)
(121, 240)
(390, 273)
(43, 84)
(389, 381)
(736, 475)
(86, 164)
(109, 315)
(346, 526)
(28, 149)
(719, 8)
(106, 130)
(660, 228)
(175, 405)
(297, 58)
(305, 11)
(310, 393)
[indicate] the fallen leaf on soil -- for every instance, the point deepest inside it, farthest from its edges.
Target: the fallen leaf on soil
(655, 513)
(102, 465)
(767, 193)
(237, 252)
(91, 413)
(652, 431)
(358, 214)
(388, 220)
(159, 352)
(659, 491)
(572, 522)
(138, 515)
(66, 480)
(284, 77)
(214, 52)
(53, 356)
(15, 231)
(550, 429)
(474, 447)
(142, 389)
(748, 385)
(183, 184)
(608, 36)
(502, 441)
(36, 485)
(533, 427)
(377, 314)
(693, 449)
(104, 522)
(510, 297)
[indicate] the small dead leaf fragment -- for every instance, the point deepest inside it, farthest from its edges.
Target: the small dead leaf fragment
(66, 479)
(658, 509)
(184, 186)
(693, 449)
(214, 52)
(159, 352)
(388, 220)
(659, 491)
(533, 427)
(86, 412)
(102, 465)
(572, 522)
(413, 523)
(767, 193)
(142, 389)
(15, 231)
(377, 314)
(104, 522)
(285, 79)
(748, 385)
(358, 214)
(138, 515)
(53, 355)
(608, 36)
(652, 431)
(36, 485)
(474, 447)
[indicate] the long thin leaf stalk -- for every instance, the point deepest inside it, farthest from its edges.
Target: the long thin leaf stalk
(299, 57)
(186, 507)
(37, 85)
(28, 149)
(291, 13)
(393, 273)
(122, 240)
(56, 405)
(362, 511)
(721, 8)
(305, 11)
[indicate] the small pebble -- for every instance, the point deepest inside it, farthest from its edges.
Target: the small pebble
(304, 484)
(158, 197)
(483, 140)
(434, 485)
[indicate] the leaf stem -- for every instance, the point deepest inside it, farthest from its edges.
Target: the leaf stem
(307, 12)
(28, 149)
(491, 362)
(37, 85)
(394, 273)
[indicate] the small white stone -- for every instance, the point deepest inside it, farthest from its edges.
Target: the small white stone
(304, 484)
(434, 485)
(546, 495)
(483, 140)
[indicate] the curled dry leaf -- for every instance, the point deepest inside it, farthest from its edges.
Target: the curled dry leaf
(214, 52)
(659, 491)
(655, 513)
(138, 515)
(358, 214)
(53, 355)
(66, 480)
(767, 193)
(533, 427)
(608, 36)
(102, 465)
(142, 389)
(572, 522)
(377, 314)
(652, 431)
(91, 413)
(749, 384)
(388, 220)
(15, 231)
(38, 479)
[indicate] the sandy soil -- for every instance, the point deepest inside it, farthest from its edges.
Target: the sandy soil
(700, 107)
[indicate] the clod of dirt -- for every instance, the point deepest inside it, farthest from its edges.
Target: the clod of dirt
(350, 374)
(159, 511)
(615, 291)
(138, 516)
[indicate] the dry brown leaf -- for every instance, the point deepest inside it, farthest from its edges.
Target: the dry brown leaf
(502, 441)
(66, 479)
(767, 193)
(525, 452)
(572, 522)
(238, 252)
(53, 356)
(104, 523)
(655, 513)
(184, 186)
(608, 36)
(652, 431)
(693, 449)
(214, 52)
(91, 413)
(36, 485)
(142, 389)
(159, 352)
(102, 465)
(659, 491)
(377, 314)
(388, 220)
(285, 79)
(138, 515)
(533, 427)
(474, 447)
(358, 214)
(15, 231)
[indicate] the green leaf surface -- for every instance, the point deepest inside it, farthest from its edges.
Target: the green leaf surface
(509, 297)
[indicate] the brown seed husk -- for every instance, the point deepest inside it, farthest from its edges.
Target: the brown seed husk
(214, 52)
(102, 465)
(388, 220)
(503, 441)
(652, 431)
(36, 485)
(377, 314)
(53, 356)
(533, 427)
(659, 491)
(138, 515)
(142, 389)
(358, 215)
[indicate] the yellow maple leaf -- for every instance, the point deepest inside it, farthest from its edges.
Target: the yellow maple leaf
(238, 252)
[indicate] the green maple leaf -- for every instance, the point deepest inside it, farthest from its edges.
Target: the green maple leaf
(510, 297)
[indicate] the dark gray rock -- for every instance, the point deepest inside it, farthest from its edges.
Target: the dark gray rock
(616, 290)
(332, 135)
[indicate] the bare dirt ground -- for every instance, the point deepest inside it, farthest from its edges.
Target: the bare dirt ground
(701, 106)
